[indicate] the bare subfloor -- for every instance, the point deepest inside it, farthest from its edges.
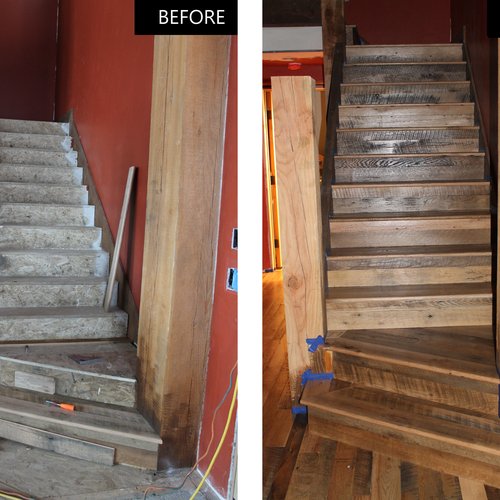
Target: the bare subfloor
(43, 475)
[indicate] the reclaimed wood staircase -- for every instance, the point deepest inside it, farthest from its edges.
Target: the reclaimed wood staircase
(57, 342)
(409, 301)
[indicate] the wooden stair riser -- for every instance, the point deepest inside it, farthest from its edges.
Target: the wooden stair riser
(359, 198)
(52, 292)
(404, 53)
(352, 233)
(439, 460)
(53, 263)
(409, 72)
(408, 312)
(405, 93)
(35, 141)
(33, 157)
(407, 115)
(30, 214)
(78, 326)
(41, 174)
(454, 391)
(389, 168)
(409, 270)
(403, 141)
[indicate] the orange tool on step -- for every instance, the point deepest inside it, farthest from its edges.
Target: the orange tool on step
(64, 406)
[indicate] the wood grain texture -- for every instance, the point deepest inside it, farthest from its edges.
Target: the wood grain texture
(185, 166)
(404, 53)
(407, 72)
(332, 18)
(414, 197)
(405, 93)
(498, 238)
(387, 477)
(300, 217)
(408, 140)
(410, 167)
(472, 490)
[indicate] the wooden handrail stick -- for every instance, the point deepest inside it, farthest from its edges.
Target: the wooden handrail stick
(119, 238)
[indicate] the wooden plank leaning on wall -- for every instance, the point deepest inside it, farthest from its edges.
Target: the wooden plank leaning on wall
(182, 219)
(296, 132)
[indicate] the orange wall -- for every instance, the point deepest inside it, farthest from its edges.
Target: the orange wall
(28, 31)
(484, 59)
(223, 342)
(105, 76)
(400, 21)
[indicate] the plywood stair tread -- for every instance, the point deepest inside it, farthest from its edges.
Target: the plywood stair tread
(466, 352)
(410, 420)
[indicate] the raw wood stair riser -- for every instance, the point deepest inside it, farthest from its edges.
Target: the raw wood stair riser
(401, 115)
(407, 141)
(59, 327)
(33, 157)
(414, 275)
(406, 93)
(35, 193)
(425, 457)
(41, 174)
(46, 215)
(53, 263)
(410, 168)
(74, 383)
(20, 292)
(412, 72)
(33, 237)
(457, 392)
(35, 141)
(34, 127)
(404, 53)
(407, 232)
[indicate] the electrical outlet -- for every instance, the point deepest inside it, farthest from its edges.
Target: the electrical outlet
(232, 279)
(234, 239)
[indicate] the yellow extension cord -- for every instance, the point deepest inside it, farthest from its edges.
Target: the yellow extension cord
(223, 437)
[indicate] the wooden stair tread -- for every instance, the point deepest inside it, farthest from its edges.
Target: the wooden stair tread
(349, 253)
(415, 184)
(463, 154)
(407, 418)
(467, 352)
(408, 291)
(413, 63)
(409, 129)
(414, 216)
(417, 106)
(416, 82)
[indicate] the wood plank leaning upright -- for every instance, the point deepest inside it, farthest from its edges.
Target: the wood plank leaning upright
(300, 217)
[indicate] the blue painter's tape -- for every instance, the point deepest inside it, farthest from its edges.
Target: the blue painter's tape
(308, 375)
(299, 410)
(315, 343)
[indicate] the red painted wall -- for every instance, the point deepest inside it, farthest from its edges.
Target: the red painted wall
(223, 342)
(105, 76)
(400, 21)
(28, 30)
(484, 60)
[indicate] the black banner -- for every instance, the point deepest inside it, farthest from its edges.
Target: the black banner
(186, 17)
(493, 19)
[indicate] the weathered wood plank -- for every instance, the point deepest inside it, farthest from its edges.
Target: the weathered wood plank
(57, 443)
(404, 53)
(409, 140)
(332, 18)
(386, 477)
(472, 490)
(300, 217)
(405, 93)
(342, 474)
(34, 382)
(408, 72)
(411, 167)
(376, 231)
(189, 92)
(406, 115)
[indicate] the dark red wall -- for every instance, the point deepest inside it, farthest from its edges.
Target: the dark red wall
(223, 342)
(105, 77)
(400, 21)
(484, 60)
(28, 30)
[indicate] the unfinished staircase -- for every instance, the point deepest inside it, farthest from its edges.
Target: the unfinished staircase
(56, 341)
(409, 299)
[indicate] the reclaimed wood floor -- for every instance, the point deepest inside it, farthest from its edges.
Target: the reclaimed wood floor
(298, 465)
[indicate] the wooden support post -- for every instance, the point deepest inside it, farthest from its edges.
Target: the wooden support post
(496, 321)
(182, 218)
(332, 16)
(297, 175)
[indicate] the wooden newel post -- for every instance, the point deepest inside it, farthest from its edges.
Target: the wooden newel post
(297, 175)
